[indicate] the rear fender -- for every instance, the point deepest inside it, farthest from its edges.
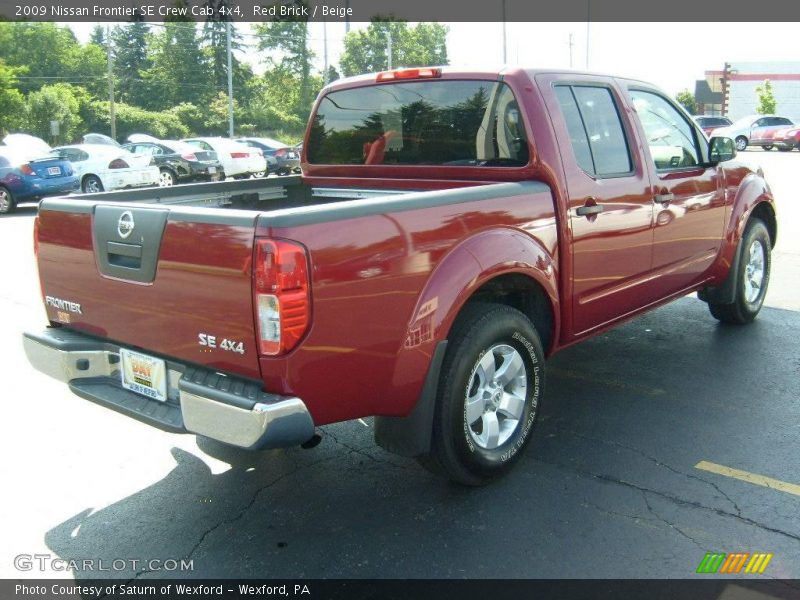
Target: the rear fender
(453, 282)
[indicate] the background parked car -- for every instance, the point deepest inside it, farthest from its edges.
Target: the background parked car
(788, 138)
(764, 135)
(26, 177)
(744, 130)
(176, 161)
(104, 167)
(710, 123)
(238, 161)
(287, 159)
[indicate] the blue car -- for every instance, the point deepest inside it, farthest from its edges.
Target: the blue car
(28, 180)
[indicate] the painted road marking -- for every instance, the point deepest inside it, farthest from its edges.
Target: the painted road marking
(768, 482)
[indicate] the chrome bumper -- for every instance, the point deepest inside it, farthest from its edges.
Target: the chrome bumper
(229, 409)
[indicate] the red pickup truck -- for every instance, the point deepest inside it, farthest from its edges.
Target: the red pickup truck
(451, 230)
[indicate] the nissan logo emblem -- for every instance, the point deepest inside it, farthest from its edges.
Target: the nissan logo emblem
(125, 225)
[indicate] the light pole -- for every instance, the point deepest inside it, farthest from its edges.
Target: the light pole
(230, 77)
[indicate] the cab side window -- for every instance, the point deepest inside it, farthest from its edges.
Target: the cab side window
(595, 129)
(672, 140)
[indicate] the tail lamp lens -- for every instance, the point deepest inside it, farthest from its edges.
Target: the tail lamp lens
(240, 154)
(281, 286)
(36, 236)
(27, 170)
(190, 157)
(280, 152)
(118, 163)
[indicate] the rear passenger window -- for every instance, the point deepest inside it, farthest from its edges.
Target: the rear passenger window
(595, 130)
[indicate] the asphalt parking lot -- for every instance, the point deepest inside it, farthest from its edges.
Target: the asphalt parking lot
(610, 487)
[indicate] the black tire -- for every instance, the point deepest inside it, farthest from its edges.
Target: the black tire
(456, 450)
(743, 309)
(741, 143)
(767, 148)
(167, 178)
(91, 184)
(7, 202)
(783, 149)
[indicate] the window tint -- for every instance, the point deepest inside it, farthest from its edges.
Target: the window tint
(670, 137)
(595, 130)
(420, 123)
(781, 121)
(577, 133)
(606, 137)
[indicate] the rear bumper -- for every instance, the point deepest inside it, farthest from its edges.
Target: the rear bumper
(229, 409)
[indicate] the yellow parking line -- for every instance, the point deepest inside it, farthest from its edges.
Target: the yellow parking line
(768, 482)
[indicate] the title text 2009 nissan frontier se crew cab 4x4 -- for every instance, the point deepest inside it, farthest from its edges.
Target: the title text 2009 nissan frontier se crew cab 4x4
(451, 230)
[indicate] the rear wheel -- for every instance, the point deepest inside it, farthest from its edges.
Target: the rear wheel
(767, 148)
(166, 178)
(741, 143)
(7, 203)
(489, 390)
(783, 149)
(91, 184)
(753, 277)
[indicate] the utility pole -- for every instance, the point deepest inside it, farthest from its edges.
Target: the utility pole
(505, 60)
(570, 50)
(389, 48)
(588, 33)
(230, 78)
(325, 51)
(347, 16)
(112, 112)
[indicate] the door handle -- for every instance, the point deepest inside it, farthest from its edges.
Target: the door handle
(664, 199)
(589, 209)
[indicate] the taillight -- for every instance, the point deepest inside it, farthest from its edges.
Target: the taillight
(36, 236)
(422, 73)
(191, 157)
(281, 288)
(240, 154)
(27, 170)
(280, 152)
(118, 163)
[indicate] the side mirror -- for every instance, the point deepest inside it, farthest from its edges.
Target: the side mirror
(721, 149)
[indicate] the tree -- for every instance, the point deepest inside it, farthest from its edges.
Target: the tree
(12, 103)
(686, 99)
(98, 36)
(290, 39)
(58, 102)
(179, 71)
(366, 51)
(767, 105)
(131, 60)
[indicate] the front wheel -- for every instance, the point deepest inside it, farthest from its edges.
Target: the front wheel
(753, 277)
(7, 203)
(741, 143)
(490, 386)
(767, 148)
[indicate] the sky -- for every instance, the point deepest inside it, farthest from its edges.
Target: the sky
(670, 55)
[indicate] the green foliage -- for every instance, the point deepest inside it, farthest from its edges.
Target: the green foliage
(58, 102)
(12, 103)
(131, 60)
(179, 71)
(289, 39)
(686, 99)
(767, 105)
(98, 36)
(132, 119)
(365, 51)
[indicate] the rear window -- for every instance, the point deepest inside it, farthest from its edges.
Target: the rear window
(712, 122)
(453, 123)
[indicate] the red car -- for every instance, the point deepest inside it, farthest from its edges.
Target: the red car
(710, 123)
(425, 282)
(769, 131)
(786, 139)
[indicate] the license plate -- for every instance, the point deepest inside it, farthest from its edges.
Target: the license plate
(212, 170)
(54, 170)
(143, 374)
(292, 155)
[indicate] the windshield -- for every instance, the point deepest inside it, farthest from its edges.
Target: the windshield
(420, 123)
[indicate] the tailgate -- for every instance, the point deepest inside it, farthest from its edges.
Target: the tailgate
(153, 278)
